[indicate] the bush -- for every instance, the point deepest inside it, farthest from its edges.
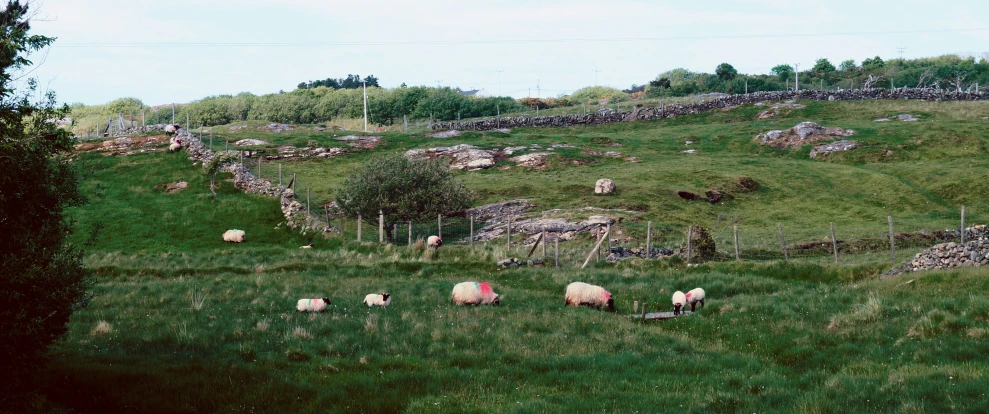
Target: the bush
(596, 93)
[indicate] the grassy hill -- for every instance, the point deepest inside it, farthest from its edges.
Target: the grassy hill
(184, 322)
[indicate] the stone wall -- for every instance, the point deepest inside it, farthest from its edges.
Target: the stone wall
(974, 252)
(727, 101)
(294, 211)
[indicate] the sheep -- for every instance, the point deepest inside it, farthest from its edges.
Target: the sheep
(375, 299)
(312, 305)
(234, 236)
(694, 296)
(172, 129)
(308, 246)
(679, 299)
(175, 146)
(580, 293)
(434, 242)
(474, 293)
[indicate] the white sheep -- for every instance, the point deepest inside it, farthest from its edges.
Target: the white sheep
(580, 293)
(375, 299)
(308, 246)
(679, 299)
(694, 296)
(171, 129)
(312, 305)
(175, 146)
(234, 236)
(474, 293)
(434, 242)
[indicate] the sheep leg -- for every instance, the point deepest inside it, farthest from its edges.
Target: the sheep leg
(693, 306)
(702, 303)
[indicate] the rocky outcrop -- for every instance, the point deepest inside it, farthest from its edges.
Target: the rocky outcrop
(778, 109)
(445, 134)
(288, 152)
(827, 149)
(250, 143)
(528, 230)
(533, 160)
(359, 141)
(619, 253)
(500, 210)
(465, 157)
(716, 102)
(800, 135)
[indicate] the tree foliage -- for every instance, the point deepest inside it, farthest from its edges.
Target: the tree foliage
(349, 82)
(403, 190)
(782, 72)
(726, 72)
(42, 275)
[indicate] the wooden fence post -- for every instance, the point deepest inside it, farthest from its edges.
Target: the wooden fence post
(439, 226)
(308, 209)
(690, 233)
(381, 226)
(786, 255)
(341, 226)
(648, 240)
(509, 233)
(279, 173)
(892, 243)
(534, 246)
(410, 232)
(738, 257)
(557, 244)
(600, 242)
(359, 227)
(543, 238)
(471, 231)
(609, 239)
(596, 248)
(834, 244)
(963, 224)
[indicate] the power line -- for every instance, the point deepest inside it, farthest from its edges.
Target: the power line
(503, 41)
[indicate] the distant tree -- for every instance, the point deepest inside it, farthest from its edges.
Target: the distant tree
(847, 65)
(874, 63)
(371, 81)
(403, 190)
(635, 88)
(823, 67)
(726, 72)
(663, 83)
(351, 82)
(303, 85)
(41, 272)
(782, 72)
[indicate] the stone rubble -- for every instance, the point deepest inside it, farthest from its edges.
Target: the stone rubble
(365, 142)
(250, 143)
(801, 134)
(974, 252)
(827, 149)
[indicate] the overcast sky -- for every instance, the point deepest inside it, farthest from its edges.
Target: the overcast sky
(183, 50)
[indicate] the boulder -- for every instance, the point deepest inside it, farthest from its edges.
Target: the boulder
(604, 186)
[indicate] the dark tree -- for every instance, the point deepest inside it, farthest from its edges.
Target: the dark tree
(726, 72)
(41, 272)
(371, 80)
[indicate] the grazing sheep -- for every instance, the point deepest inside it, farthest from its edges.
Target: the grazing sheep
(580, 293)
(175, 146)
(171, 129)
(434, 242)
(474, 293)
(679, 299)
(694, 296)
(308, 246)
(375, 299)
(234, 236)
(312, 305)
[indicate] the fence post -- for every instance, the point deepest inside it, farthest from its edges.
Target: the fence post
(834, 244)
(786, 256)
(308, 209)
(648, 240)
(509, 232)
(543, 238)
(600, 242)
(359, 227)
(410, 232)
(381, 226)
(738, 257)
(293, 181)
(963, 224)
(259, 166)
(226, 145)
(690, 233)
(341, 227)
(439, 226)
(557, 245)
(471, 231)
(279, 173)
(596, 248)
(892, 243)
(609, 239)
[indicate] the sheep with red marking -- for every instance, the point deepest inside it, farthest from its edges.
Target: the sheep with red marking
(694, 296)
(583, 294)
(434, 242)
(679, 299)
(474, 293)
(375, 299)
(312, 305)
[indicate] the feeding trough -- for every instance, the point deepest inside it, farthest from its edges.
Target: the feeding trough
(662, 315)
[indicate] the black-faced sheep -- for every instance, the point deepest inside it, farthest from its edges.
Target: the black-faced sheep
(679, 299)
(694, 296)
(434, 242)
(172, 129)
(580, 293)
(375, 299)
(474, 293)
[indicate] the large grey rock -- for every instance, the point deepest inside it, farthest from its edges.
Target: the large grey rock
(465, 157)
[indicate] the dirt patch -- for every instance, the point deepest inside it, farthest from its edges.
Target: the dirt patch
(172, 187)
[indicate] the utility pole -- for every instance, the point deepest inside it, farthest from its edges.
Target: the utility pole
(596, 72)
(365, 106)
(901, 49)
(796, 82)
(499, 81)
(538, 94)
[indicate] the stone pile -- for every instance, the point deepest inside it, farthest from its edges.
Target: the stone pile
(720, 102)
(974, 252)
(619, 253)
(516, 262)
(827, 149)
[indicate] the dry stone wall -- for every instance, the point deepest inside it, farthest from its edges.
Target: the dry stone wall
(721, 102)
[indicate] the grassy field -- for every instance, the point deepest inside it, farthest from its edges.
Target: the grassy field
(183, 322)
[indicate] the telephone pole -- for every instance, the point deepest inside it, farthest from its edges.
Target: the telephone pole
(796, 81)
(596, 72)
(499, 81)
(901, 49)
(365, 106)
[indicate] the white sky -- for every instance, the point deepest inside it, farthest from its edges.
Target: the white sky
(183, 50)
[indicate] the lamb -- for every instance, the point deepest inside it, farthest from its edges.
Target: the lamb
(312, 305)
(679, 299)
(694, 296)
(434, 242)
(175, 146)
(474, 293)
(234, 236)
(580, 293)
(375, 299)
